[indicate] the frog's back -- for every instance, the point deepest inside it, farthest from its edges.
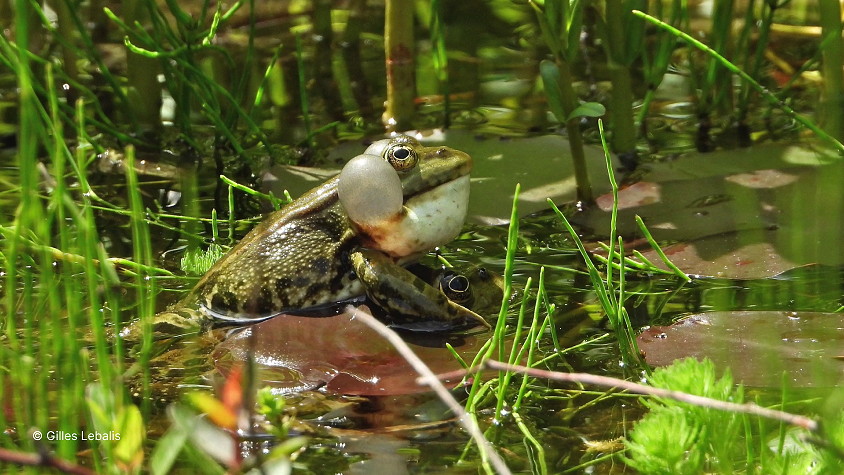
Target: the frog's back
(268, 272)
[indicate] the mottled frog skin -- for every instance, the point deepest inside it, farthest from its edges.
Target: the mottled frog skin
(326, 247)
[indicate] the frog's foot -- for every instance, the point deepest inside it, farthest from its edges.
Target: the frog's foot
(411, 302)
(172, 323)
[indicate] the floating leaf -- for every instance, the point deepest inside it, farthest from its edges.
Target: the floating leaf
(761, 348)
(747, 219)
(295, 353)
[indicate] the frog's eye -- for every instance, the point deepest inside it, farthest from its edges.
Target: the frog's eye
(401, 156)
(456, 287)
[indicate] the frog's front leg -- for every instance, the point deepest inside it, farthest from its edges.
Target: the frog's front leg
(407, 298)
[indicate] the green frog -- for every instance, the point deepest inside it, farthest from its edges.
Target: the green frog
(351, 236)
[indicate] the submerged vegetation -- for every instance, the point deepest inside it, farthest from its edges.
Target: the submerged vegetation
(138, 139)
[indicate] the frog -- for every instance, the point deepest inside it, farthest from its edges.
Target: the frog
(196, 360)
(353, 235)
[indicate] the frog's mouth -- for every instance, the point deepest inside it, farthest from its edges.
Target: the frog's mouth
(427, 220)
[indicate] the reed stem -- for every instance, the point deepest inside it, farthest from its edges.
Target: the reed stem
(619, 57)
(142, 74)
(401, 75)
(831, 105)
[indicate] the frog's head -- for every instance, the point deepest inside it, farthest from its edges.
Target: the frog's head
(404, 198)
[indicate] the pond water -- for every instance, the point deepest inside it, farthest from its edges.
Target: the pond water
(758, 228)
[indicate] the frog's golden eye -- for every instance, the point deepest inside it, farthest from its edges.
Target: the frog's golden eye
(401, 156)
(456, 287)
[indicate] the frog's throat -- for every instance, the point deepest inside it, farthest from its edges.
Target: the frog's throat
(427, 220)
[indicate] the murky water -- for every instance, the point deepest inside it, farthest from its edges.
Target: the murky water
(758, 227)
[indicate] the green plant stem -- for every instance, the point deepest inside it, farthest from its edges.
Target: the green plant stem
(504, 378)
(323, 76)
(758, 57)
(832, 101)
(532, 338)
(530, 439)
(569, 99)
(64, 351)
(655, 66)
(659, 250)
(621, 99)
(27, 216)
(66, 31)
(304, 100)
(142, 73)
(146, 288)
(761, 90)
(439, 55)
(496, 342)
(352, 57)
(401, 80)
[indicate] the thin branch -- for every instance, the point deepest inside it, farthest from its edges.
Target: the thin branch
(606, 381)
(427, 377)
(43, 460)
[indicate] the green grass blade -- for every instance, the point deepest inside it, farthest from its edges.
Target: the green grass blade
(770, 97)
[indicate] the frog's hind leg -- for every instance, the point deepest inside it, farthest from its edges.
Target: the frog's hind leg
(411, 302)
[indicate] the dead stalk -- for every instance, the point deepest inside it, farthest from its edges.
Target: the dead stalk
(606, 381)
(427, 377)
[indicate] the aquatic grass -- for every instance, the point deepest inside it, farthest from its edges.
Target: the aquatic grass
(496, 342)
(656, 60)
(439, 56)
(710, 411)
(304, 98)
(142, 88)
(29, 215)
(611, 294)
(60, 284)
(753, 61)
(623, 41)
(504, 378)
(69, 76)
(560, 23)
(276, 202)
(266, 80)
(322, 72)
(611, 303)
(676, 270)
(146, 287)
(179, 52)
(630, 264)
(42, 378)
(767, 95)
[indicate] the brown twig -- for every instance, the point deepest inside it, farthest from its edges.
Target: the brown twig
(43, 460)
(427, 377)
(606, 381)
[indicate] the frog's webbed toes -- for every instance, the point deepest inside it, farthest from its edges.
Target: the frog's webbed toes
(410, 301)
